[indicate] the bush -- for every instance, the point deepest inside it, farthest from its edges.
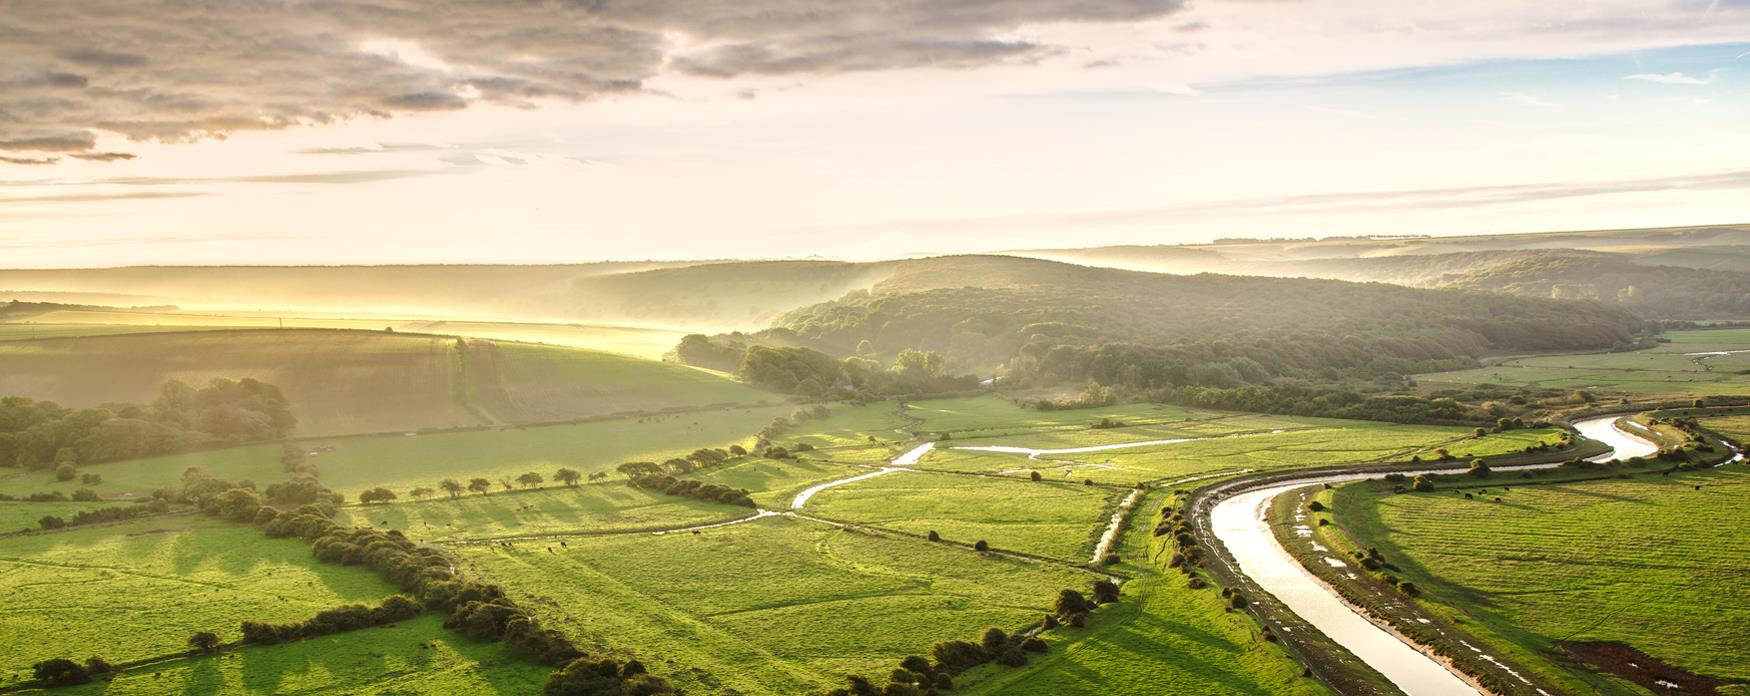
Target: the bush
(1315, 506)
(981, 546)
(203, 642)
(65, 472)
(60, 671)
(1105, 592)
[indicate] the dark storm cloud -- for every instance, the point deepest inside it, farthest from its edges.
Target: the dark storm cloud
(182, 70)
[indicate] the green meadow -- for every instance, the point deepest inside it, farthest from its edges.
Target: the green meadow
(1162, 637)
(1057, 520)
(1689, 363)
(586, 509)
(767, 607)
(418, 656)
(139, 589)
(1653, 562)
(404, 462)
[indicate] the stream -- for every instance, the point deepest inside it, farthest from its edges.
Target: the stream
(1239, 523)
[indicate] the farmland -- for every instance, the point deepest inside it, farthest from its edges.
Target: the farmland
(761, 607)
(404, 462)
(344, 382)
(1702, 363)
(1047, 519)
(1656, 563)
(415, 656)
(157, 581)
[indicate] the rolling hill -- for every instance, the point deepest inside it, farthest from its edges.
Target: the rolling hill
(342, 382)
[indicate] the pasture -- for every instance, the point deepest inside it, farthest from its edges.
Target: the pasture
(586, 509)
(763, 607)
(1710, 362)
(347, 382)
(418, 656)
(1161, 638)
(139, 589)
(1651, 562)
(1057, 520)
(404, 462)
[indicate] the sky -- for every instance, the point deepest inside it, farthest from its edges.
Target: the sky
(394, 131)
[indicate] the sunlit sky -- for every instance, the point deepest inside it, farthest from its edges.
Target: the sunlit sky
(946, 126)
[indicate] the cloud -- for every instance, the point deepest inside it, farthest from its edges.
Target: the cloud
(29, 160)
(176, 71)
(1670, 78)
(104, 156)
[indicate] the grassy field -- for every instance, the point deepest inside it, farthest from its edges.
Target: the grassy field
(1735, 427)
(1229, 443)
(16, 515)
(1048, 519)
(766, 607)
(1651, 562)
(590, 509)
(1689, 364)
(402, 462)
(343, 382)
(140, 589)
(1161, 638)
(775, 482)
(418, 656)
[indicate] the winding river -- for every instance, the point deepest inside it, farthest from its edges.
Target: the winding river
(1239, 523)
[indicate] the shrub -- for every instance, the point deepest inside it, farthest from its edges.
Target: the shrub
(203, 642)
(934, 536)
(65, 472)
(60, 671)
(1035, 476)
(1105, 591)
(981, 546)
(1422, 484)
(1315, 506)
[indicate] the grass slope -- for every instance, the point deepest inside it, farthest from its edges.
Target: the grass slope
(589, 509)
(402, 462)
(1046, 519)
(361, 382)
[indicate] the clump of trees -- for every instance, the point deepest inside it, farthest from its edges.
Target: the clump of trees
(714, 492)
(61, 671)
(45, 435)
(767, 362)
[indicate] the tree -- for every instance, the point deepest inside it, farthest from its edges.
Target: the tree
(1422, 484)
(60, 672)
(452, 487)
(569, 477)
(421, 493)
(52, 522)
(1105, 591)
(1035, 476)
(65, 472)
(203, 642)
(1479, 468)
(480, 485)
(377, 495)
(530, 479)
(981, 546)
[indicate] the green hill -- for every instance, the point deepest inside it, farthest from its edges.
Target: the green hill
(360, 381)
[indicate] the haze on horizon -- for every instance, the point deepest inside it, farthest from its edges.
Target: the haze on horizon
(383, 131)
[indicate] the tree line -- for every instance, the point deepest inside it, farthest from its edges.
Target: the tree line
(45, 435)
